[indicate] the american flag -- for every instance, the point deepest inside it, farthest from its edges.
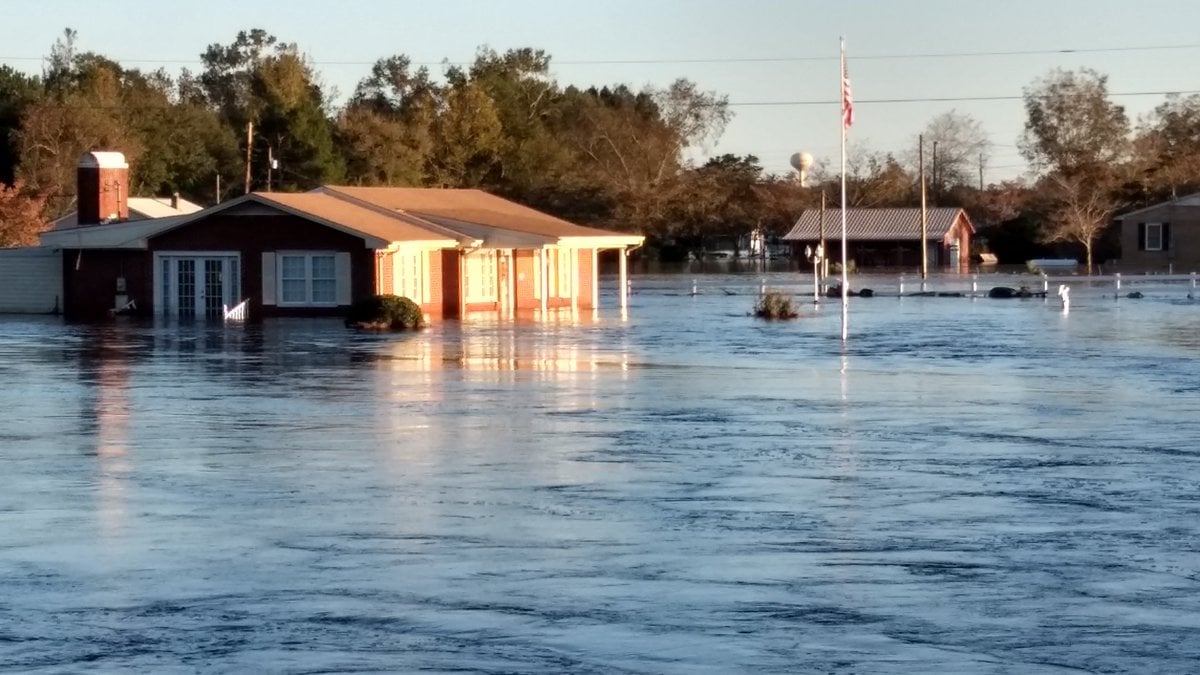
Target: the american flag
(847, 97)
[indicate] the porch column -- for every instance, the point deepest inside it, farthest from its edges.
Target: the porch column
(573, 265)
(595, 279)
(512, 283)
(545, 267)
(623, 278)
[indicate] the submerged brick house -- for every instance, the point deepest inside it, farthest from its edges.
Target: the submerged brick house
(887, 237)
(1162, 236)
(451, 251)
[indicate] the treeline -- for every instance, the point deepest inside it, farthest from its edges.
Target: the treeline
(607, 156)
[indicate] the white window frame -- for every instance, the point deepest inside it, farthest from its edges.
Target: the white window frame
(1157, 229)
(411, 268)
(308, 257)
(479, 277)
(165, 269)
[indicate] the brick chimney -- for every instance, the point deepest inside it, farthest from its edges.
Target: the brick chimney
(102, 188)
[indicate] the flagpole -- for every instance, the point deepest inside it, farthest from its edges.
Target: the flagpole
(845, 278)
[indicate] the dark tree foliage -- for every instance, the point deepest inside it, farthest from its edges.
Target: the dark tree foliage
(607, 155)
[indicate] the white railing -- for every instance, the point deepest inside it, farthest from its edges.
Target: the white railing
(1042, 283)
(237, 312)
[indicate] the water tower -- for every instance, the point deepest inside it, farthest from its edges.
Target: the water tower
(802, 162)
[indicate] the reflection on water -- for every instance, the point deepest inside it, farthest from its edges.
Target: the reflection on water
(965, 486)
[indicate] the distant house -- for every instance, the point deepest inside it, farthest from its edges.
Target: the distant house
(1162, 235)
(451, 251)
(887, 237)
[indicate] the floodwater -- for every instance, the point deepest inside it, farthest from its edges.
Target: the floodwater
(970, 486)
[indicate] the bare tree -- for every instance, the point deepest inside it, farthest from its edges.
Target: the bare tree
(1084, 208)
(962, 146)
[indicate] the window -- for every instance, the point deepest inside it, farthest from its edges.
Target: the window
(409, 276)
(479, 276)
(565, 269)
(1154, 238)
(307, 279)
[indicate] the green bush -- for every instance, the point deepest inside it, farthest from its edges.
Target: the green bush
(385, 312)
(775, 305)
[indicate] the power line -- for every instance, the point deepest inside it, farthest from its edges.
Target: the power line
(733, 60)
(752, 104)
(941, 99)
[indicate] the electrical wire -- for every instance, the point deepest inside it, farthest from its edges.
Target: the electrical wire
(734, 60)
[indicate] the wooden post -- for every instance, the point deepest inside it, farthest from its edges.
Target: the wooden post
(924, 221)
(821, 241)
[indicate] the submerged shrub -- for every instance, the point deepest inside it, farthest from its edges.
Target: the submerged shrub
(775, 305)
(385, 312)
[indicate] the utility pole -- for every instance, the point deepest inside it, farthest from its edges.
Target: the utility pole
(924, 221)
(218, 193)
(821, 243)
(936, 184)
(981, 172)
(270, 165)
(249, 147)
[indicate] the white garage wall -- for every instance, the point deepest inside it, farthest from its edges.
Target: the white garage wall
(30, 280)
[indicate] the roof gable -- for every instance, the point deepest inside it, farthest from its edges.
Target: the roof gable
(1187, 201)
(441, 219)
(468, 206)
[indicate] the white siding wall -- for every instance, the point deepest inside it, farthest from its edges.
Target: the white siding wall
(30, 280)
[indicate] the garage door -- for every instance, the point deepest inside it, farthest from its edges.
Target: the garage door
(30, 280)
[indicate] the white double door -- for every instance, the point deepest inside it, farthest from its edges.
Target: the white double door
(197, 286)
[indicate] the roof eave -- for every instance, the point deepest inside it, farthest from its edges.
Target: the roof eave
(602, 241)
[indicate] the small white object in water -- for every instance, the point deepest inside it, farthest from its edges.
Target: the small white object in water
(1064, 292)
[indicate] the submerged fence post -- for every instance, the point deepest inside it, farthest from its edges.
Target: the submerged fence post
(694, 292)
(1045, 283)
(901, 285)
(1117, 294)
(974, 285)
(762, 287)
(1192, 293)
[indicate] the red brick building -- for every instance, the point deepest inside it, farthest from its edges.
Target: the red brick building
(887, 237)
(451, 251)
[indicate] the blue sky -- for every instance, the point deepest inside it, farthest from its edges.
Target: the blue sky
(343, 38)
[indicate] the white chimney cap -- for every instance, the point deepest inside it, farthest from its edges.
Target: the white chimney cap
(103, 160)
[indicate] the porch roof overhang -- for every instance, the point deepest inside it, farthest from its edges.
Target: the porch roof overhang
(603, 242)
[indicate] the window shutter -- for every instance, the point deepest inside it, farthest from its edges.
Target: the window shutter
(268, 278)
(341, 266)
(1166, 236)
(1141, 236)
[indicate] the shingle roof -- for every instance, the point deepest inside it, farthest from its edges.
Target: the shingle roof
(140, 208)
(388, 227)
(469, 206)
(160, 207)
(876, 224)
(441, 218)
(1191, 200)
